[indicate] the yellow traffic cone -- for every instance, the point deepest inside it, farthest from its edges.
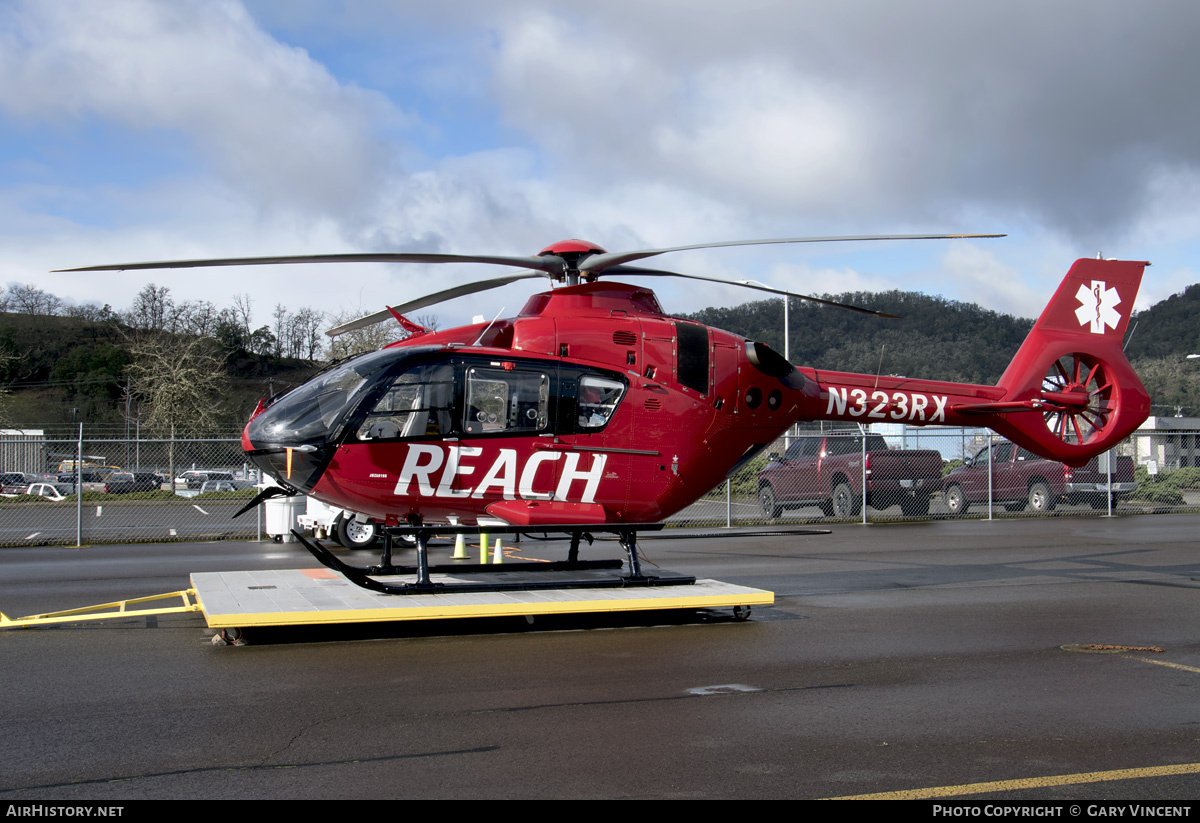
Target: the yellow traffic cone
(498, 555)
(460, 548)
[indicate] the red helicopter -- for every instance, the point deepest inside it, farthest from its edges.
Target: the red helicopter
(594, 410)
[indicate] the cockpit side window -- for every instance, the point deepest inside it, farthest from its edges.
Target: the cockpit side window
(504, 401)
(598, 400)
(417, 403)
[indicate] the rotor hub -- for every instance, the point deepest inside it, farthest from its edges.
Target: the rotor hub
(571, 253)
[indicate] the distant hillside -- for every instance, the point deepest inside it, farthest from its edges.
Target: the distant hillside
(938, 339)
(60, 364)
(1169, 328)
(1158, 347)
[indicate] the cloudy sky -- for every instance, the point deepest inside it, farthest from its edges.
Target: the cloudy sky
(141, 130)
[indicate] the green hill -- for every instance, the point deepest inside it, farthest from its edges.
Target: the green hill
(63, 369)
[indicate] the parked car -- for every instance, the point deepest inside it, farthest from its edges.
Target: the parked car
(196, 478)
(92, 481)
(128, 482)
(224, 486)
(16, 482)
(1020, 479)
(51, 491)
(827, 471)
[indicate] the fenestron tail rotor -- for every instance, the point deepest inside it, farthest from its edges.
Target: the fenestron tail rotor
(1081, 386)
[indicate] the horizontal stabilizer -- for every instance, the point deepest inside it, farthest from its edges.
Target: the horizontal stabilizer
(1001, 408)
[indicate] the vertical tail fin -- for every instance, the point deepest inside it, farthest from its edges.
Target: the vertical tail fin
(1084, 395)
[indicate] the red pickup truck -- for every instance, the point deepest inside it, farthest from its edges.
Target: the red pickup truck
(1021, 479)
(827, 471)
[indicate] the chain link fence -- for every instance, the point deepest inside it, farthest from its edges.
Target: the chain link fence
(885, 473)
(133, 490)
(816, 476)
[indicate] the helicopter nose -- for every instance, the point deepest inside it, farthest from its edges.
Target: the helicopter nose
(299, 466)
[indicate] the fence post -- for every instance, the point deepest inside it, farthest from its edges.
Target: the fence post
(991, 491)
(728, 502)
(1111, 456)
(863, 431)
(79, 490)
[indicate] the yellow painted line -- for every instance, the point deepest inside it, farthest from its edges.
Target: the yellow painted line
(1029, 783)
(439, 611)
(1168, 664)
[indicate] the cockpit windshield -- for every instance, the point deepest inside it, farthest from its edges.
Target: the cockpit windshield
(313, 412)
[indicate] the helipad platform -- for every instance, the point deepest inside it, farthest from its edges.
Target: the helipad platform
(293, 597)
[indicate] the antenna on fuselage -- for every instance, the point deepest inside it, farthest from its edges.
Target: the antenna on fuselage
(488, 326)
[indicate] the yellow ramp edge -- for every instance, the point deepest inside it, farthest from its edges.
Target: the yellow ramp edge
(294, 597)
(107, 611)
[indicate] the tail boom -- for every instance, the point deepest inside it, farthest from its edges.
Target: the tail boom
(1068, 395)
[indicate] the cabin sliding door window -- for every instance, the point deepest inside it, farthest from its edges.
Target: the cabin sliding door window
(502, 401)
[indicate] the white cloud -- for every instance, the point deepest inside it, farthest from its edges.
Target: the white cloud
(991, 283)
(627, 124)
(756, 129)
(816, 281)
(269, 120)
(865, 111)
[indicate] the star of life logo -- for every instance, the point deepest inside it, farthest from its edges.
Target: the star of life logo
(1097, 307)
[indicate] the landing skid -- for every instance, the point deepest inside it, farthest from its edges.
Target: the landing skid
(569, 574)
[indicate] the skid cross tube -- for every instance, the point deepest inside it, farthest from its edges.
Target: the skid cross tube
(365, 576)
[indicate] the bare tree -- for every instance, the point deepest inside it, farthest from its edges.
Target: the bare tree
(180, 380)
(242, 314)
(151, 309)
(7, 360)
(308, 333)
(282, 330)
(92, 312)
(197, 317)
(26, 298)
(360, 341)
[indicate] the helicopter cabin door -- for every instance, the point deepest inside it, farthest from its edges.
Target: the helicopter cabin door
(509, 417)
(451, 436)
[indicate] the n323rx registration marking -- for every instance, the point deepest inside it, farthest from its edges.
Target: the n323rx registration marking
(882, 405)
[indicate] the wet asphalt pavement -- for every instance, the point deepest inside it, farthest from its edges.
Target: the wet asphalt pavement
(896, 657)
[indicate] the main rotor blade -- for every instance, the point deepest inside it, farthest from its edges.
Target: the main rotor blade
(602, 262)
(429, 300)
(638, 271)
(550, 263)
